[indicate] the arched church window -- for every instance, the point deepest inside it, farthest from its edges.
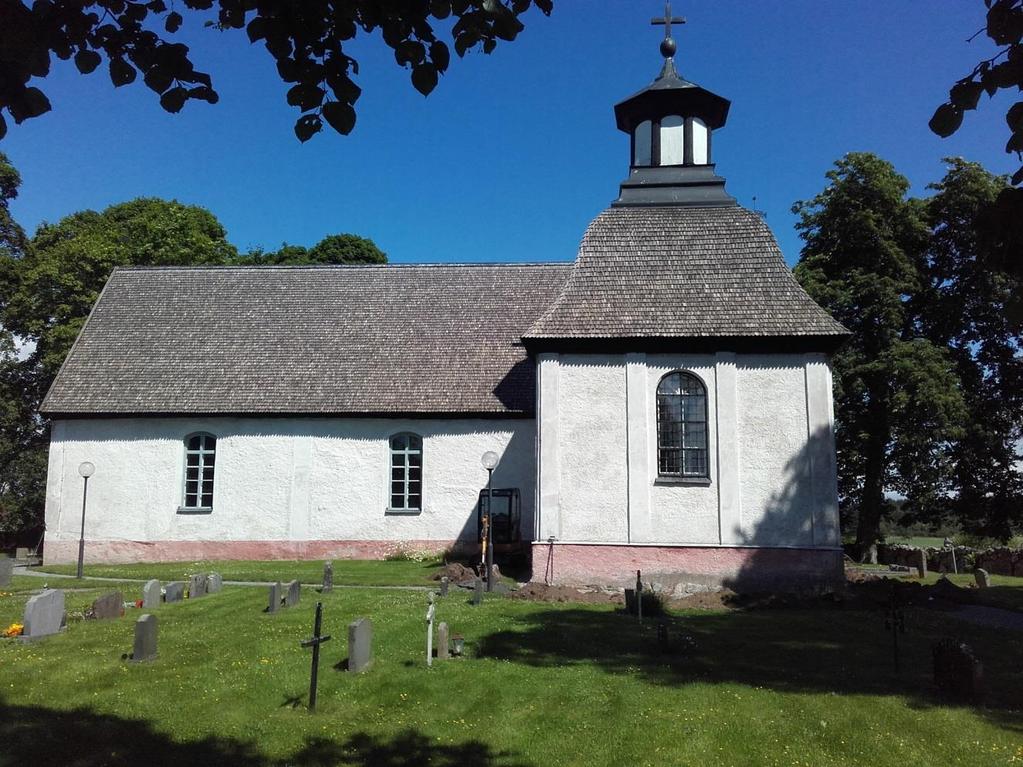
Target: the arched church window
(406, 472)
(200, 464)
(641, 146)
(673, 140)
(682, 426)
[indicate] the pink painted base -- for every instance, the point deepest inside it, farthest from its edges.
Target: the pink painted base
(740, 569)
(129, 552)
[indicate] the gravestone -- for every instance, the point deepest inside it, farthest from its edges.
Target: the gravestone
(108, 606)
(145, 639)
(981, 576)
(214, 583)
(21, 553)
(872, 554)
(477, 591)
(174, 592)
(442, 641)
(196, 586)
(920, 562)
(293, 595)
(445, 582)
(275, 598)
(6, 570)
(328, 578)
(360, 645)
(44, 614)
(151, 594)
(957, 672)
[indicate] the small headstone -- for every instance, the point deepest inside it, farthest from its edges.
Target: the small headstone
(275, 598)
(872, 554)
(477, 591)
(145, 639)
(360, 645)
(920, 562)
(6, 570)
(445, 582)
(957, 672)
(108, 606)
(442, 641)
(214, 583)
(151, 594)
(21, 553)
(293, 595)
(328, 578)
(981, 576)
(44, 614)
(196, 586)
(174, 592)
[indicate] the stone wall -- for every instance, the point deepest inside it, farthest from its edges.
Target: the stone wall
(997, 561)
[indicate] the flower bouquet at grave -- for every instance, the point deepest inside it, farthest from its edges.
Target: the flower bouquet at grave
(14, 630)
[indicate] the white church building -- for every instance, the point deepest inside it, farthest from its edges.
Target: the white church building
(662, 404)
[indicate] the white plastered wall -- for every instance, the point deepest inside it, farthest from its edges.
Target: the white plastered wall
(771, 452)
(280, 479)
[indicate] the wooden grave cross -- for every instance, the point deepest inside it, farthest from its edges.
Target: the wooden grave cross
(315, 641)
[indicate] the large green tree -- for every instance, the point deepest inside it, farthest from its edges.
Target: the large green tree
(897, 398)
(308, 40)
(332, 249)
(963, 307)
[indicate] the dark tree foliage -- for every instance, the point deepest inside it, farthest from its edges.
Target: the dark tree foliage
(897, 398)
(332, 249)
(306, 38)
(963, 307)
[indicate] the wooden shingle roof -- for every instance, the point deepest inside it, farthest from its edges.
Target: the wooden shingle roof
(319, 340)
(674, 272)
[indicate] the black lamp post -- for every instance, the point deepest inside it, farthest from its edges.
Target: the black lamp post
(86, 469)
(490, 460)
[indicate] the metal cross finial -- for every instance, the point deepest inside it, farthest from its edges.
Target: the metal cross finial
(668, 44)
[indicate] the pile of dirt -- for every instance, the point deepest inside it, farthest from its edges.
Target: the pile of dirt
(539, 592)
(706, 600)
(456, 572)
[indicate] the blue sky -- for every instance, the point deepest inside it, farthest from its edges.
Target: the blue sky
(514, 153)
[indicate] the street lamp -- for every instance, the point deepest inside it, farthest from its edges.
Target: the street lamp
(86, 469)
(490, 460)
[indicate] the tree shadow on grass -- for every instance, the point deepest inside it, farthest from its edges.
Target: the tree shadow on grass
(823, 649)
(42, 737)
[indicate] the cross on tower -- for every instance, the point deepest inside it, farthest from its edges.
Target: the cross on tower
(668, 44)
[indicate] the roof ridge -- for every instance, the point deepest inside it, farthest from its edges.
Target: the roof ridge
(329, 267)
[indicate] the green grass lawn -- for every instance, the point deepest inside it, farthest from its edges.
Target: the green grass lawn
(353, 572)
(548, 684)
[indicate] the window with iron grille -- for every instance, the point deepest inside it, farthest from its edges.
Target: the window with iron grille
(682, 427)
(200, 463)
(406, 472)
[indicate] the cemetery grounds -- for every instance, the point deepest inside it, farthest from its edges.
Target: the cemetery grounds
(542, 683)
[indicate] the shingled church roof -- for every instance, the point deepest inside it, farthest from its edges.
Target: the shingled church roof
(319, 340)
(676, 272)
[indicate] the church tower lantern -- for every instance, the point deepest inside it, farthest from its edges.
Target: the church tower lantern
(670, 123)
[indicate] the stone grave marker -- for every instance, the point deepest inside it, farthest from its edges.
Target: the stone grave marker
(108, 606)
(145, 639)
(196, 586)
(174, 592)
(328, 578)
(293, 595)
(477, 591)
(445, 582)
(920, 562)
(981, 576)
(442, 641)
(360, 645)
(214, 583)
(151, 594)
(21, 553)
(44, 614)
(957, 672)
(275, 598)
(6, 570)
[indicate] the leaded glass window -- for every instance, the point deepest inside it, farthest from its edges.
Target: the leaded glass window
(406, 472)
(200, 463)
(682, 427)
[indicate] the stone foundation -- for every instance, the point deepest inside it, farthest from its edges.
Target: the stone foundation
(128, 552)
(686, 569)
